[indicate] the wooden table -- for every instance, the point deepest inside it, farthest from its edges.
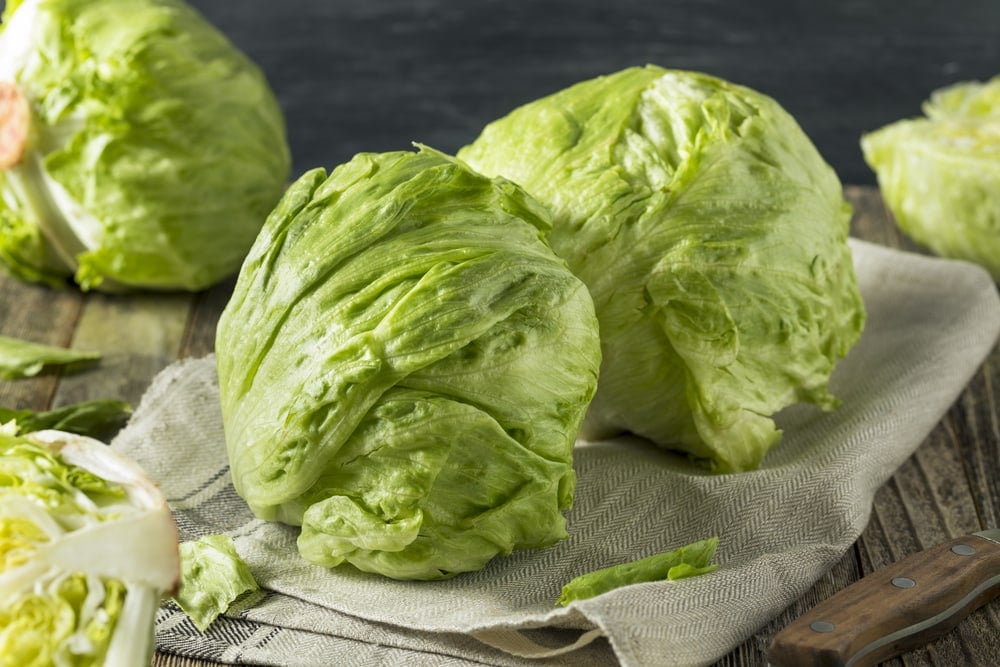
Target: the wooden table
(950, 486)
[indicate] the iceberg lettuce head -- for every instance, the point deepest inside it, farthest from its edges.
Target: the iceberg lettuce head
(139, 148)
(712, 236)
(404, 366)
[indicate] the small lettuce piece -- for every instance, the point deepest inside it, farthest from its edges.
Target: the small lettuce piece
(95, 419)
(940, 174)
(687, 561)
(713, 238)
(22, 358)
(88, 549)
(152, 151)
(404, 366)
(213, 576)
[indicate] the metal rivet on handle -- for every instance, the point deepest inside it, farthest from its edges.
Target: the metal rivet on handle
(903, 582)
(822, 626)
(963, 550)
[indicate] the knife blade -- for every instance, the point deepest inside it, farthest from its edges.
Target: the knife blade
(899, 607)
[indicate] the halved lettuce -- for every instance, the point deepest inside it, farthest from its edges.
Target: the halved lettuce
(140, 148)
(940, 175)
(712, 237)
(403, 368)
(88, 548)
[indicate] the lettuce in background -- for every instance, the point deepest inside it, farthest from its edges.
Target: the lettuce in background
(712, 237)
(940, 174)
(141, 149)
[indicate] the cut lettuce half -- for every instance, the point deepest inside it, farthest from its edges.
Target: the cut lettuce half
(88, 548)
(940, 174)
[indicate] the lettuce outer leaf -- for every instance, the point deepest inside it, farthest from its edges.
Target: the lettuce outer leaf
(687, 561)
(940, 174)
(213, 576)
(21, 358)
(96, 419)
(404, 366)
(155, 151)
(712, 237)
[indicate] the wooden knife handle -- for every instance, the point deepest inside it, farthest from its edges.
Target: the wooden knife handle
(897, 608)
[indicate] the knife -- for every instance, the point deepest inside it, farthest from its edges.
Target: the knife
(899, 607)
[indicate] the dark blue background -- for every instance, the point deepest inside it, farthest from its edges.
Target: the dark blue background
(377, 74)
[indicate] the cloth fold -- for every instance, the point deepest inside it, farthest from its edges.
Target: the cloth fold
(931, 324)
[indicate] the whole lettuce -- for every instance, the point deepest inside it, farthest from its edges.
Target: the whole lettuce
(140, 148)
(712, 236)
(404, 366)
(940, 175)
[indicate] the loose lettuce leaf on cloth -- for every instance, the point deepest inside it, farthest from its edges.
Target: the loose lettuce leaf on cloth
(712, 236)
(686, 561)
(140, 149)
(23, 358)
(780, 528)
(213, 577)
(940, 174)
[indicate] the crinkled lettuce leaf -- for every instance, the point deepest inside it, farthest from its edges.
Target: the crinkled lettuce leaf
(155, 148)
(213, 577)
(712, 237)
(940, 174)
(98, 418)
(404, 366)
(22, 358)
(686, 561)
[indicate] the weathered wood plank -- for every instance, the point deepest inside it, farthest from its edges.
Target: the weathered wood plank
(39, 314)
(138, 335)
(199, 336)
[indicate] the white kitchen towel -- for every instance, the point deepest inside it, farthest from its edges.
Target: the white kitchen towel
(931, 324)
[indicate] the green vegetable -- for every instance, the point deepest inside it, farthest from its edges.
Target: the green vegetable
(213, 576)
(139, 148)
(712, 236)
(94, 419)
(403, 368)
(22, 358)
(87, 549)
(940, 174)
(687, 561)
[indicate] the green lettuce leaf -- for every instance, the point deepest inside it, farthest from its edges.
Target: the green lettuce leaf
(22, 358)
(154, 152)
(940, 174)
(712, 237)
(687, 561)
(95, 419)
(213, 576)
(404, 366)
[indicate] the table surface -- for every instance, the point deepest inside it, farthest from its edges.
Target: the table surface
(949, 487)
